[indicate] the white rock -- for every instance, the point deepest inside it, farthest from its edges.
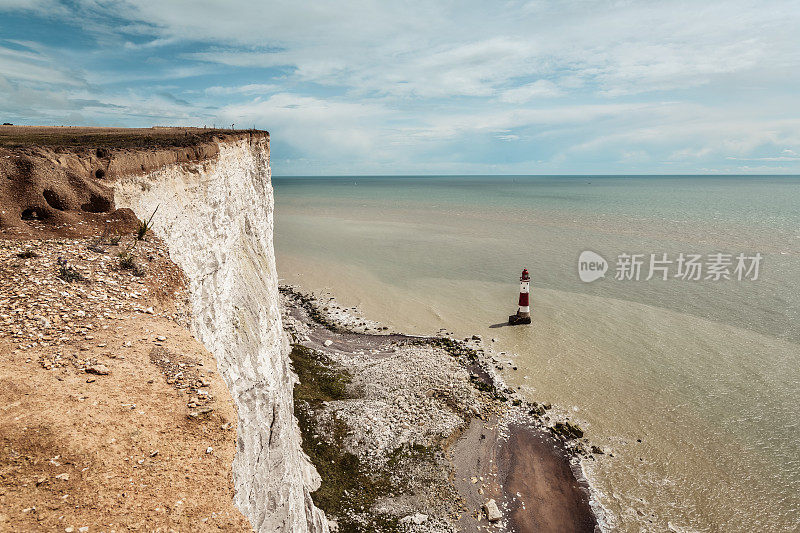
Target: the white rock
(416, 518)
(492, 512)
(327, 342)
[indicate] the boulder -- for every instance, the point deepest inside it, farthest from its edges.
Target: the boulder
(492, 512)
(416, 518)
(100, 370)
(515, 320)
(567, 430)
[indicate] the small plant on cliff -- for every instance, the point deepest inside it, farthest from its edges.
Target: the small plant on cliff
(97, 245)
(27, 254)
(144, 227)
(67, 273)
(128, 262)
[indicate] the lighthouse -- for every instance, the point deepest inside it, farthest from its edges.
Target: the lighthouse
(523, 315)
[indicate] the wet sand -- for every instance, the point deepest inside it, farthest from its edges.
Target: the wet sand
(528, 473)
(534, 465)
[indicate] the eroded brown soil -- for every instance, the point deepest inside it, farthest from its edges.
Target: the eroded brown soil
(58, 181)
(112, 416)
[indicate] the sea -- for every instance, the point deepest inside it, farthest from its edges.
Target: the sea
(664, 316)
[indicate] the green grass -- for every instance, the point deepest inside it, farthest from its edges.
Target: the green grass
(128, 262)
(347, 486)
(12, 136)
(320, 379)
(145, 225)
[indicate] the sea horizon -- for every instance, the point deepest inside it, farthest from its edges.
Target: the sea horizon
(598, 175)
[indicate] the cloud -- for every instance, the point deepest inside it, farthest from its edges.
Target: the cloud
(42, 6)
(531, 91)
(249, 89)
(772, 159)
(322, 127)
(556, 85)
(27, 64)
(428, 50)
(442, 126)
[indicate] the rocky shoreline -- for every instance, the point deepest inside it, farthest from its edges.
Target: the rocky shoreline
(421, 434)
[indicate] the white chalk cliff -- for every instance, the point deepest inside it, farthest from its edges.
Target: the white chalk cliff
(217, 217)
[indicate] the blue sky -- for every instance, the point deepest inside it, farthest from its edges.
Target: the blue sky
(360, 87)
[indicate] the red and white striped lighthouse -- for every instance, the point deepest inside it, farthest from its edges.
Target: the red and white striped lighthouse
(523, 315)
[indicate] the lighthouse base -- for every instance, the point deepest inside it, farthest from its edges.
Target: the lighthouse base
(515, 320)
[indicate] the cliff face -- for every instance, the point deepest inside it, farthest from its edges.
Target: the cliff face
(216, 215)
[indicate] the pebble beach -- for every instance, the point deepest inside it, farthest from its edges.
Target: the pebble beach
(468, 443)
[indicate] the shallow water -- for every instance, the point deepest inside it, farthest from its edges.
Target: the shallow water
(705, 373)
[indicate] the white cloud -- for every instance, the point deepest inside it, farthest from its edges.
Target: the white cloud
(27, 64)
(249, 89)
(322, 127)
(531, 91)
(690, 153)
(474, 48)
(778, 158)
(446, 125)
(389, 85)
(51, 6)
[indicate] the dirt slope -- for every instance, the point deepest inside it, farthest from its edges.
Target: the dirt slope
(112, 416)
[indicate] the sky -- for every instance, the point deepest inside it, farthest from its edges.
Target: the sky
(430, 87)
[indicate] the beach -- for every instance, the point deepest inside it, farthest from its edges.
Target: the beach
(464, 436)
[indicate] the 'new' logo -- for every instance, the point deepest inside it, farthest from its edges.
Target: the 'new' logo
(591, 266)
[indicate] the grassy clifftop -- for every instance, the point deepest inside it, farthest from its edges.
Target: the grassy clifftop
(114, 138)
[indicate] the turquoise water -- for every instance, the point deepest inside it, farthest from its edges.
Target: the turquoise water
(706, 373)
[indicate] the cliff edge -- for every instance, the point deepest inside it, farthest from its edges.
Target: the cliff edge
(211, 194)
